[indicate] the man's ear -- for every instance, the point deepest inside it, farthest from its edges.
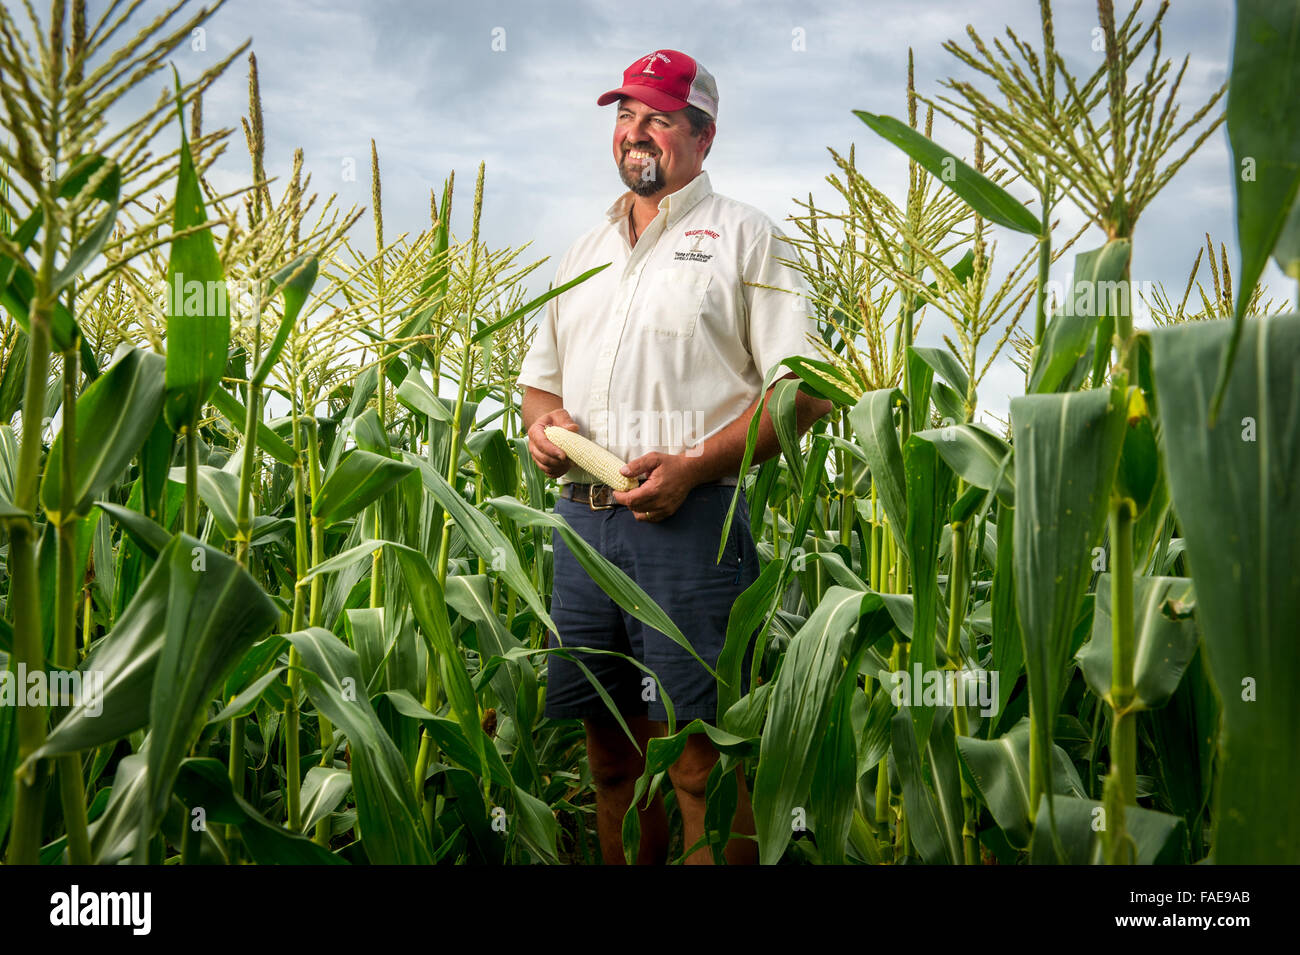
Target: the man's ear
(706, 137)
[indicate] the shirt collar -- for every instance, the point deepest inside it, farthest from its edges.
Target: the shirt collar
(675, 205)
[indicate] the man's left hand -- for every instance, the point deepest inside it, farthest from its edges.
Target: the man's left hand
(668, 479)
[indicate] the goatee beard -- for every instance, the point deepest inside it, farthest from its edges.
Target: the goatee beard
(634, 179)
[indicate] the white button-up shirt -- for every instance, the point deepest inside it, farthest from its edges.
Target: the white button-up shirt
(670, 344)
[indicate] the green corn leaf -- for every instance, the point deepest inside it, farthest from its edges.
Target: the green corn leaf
(1066, 452)
(929, 811)
(1008, 645)
(536, 828)
(800, 706)
(874, 735)
(148, 535)
(246, 702)
(198, 312)
(16, 297)
(194, 614)
(999, 770)
(921, 385)
(977, 455)
(833, 794)
(392, 828)
(430, 607)
(1185, 737)
(204, 782)
(1158, 837)
(13, 378)
(296, 280)
(215, 612)
(536, 303)
(323, 790)
(236, 414)
(1287, 251)
(746, 615)
(1098, 291)
(873, 429)
(1165, 639)
(127, 658)
(361, 478)
(363, 388)
(219, 490)
(781, 408)
(929, 488)
(514, 682)
(369, 433)
(1060, 358)
(943, 363)
(115, 414)
(1234, 491)
(1138, 476)
(751, 441)
(980, 193)
(496, 460)
(484, 537)
(1264, 135)
(113, 834)
(109, 190)
(824, 380)
(417, 395)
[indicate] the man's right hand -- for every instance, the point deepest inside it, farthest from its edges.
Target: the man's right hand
(549, 458)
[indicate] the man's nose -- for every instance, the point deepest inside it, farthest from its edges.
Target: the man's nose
(639, 132)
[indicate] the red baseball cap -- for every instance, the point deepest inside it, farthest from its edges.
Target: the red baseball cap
(667, 80)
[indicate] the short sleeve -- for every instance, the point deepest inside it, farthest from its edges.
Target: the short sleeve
(780, 320)
(541, 366)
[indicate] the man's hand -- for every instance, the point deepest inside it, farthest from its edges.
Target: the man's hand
(668, 479)
(549, 458)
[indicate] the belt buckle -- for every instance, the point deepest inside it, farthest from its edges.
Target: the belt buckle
(605, 493)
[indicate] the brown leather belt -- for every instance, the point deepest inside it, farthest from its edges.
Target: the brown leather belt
(599, 497)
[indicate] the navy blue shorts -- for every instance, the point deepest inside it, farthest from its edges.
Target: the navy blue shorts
(675, 562)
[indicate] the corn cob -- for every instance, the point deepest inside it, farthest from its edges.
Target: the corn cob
(591, 457)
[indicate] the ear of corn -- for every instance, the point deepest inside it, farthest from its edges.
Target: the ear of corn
(591, 457)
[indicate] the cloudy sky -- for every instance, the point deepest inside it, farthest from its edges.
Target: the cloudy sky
(440, 86)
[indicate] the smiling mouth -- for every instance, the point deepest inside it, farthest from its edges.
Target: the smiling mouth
(638, 155)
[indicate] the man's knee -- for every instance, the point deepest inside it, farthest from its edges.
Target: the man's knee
(690, 774)
(612, 758)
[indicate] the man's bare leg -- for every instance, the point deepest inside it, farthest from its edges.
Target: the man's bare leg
(615, 767)
(690, 777)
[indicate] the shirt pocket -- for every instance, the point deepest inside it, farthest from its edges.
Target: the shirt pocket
(673, 301)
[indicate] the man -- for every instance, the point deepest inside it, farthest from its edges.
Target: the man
(660, 358)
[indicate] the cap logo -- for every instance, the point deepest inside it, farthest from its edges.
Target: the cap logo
(650, 61)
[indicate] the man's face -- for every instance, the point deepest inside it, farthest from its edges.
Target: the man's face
(655, 151)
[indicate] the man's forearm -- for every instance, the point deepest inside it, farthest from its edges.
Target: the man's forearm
(722, 453)
(537, 403)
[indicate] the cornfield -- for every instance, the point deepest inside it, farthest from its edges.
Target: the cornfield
(276, 560)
